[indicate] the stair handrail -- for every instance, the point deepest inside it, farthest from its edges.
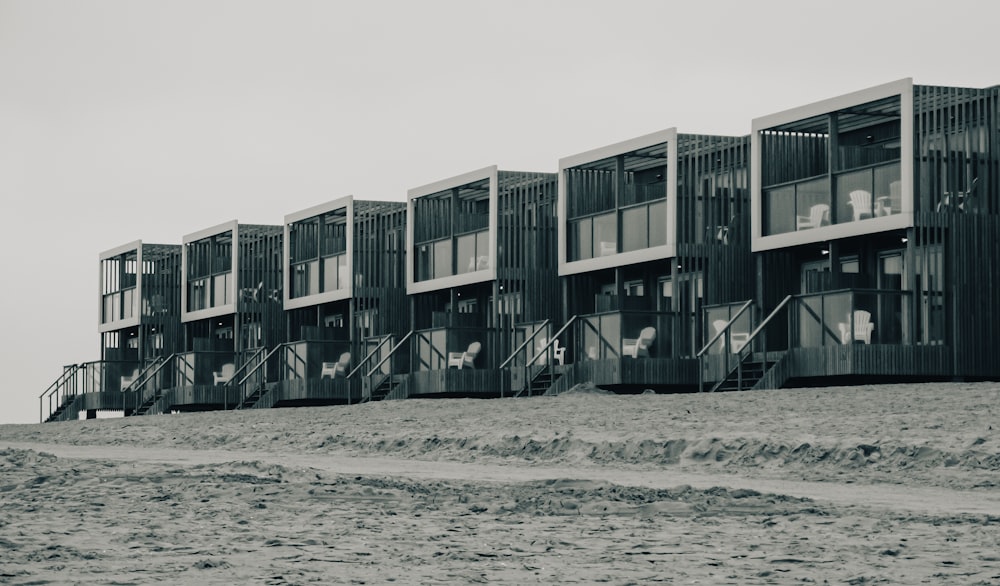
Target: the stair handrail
(369, 356)
(764, 322)
(514, 354)
(229, 383)
(555, 338)
(747, 346)
(255, 368)
(143, 374)
(542, 352)
(157, 365)
(747, 349)
(70, 371)
(391, 352)
(725, 329)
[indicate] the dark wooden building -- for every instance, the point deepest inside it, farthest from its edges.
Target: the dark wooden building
(231, 311)
(345, 302)
(653, 230)
(139, 324)
(481, 277)
(876, 234)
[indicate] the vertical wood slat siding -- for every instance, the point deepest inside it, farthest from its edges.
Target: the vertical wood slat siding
(972, 253)
(482, 382)
(889, 361)
(527, 236)
(525, 265)
(260, 260)
(380, 258)
(656, 373)
(964, 123)
(727, 266)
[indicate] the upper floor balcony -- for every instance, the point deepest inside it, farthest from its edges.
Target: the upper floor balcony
(637, 200)
(333, 250)
(868, 161)
(455, 233)
(230, 266)
(139, 283)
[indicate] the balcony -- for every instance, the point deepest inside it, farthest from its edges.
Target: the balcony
(849, 333)
(631, 335)
(849, 196)
(852, 316)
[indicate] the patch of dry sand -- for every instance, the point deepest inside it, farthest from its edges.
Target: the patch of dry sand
(893, 484)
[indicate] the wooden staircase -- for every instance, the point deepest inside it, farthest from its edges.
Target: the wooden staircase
(63, 407)
(148, 403)
(541, 380)
(747, 373)
(253, 399)
(390, 387)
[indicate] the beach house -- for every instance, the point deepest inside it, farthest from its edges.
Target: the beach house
(345, 303)
(652, 231)
(875, 235)
(139, 325)
(481, 278)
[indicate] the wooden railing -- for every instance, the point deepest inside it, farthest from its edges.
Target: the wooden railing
(371, 373)
(746, 350)
(242, 381)
(56, 392)
(540, 329)
(140, 383)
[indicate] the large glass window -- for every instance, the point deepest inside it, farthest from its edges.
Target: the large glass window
(581, 239)
(807, 183)
(119, 279)
(318, 248)
(628, 190)
(451, 232)
(210, 266)
(472, 252)
(644, 226)
(657, 224)
(442, 259)
(605, 235)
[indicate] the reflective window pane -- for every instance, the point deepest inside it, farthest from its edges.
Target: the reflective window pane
(581, 243)
(442, 259)
(780, 210)
(635, 228)
(465, 251)
(658, 224)
(605, 235)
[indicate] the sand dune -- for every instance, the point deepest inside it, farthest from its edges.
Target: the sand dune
(888, 484)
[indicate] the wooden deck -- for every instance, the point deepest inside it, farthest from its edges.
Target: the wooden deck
(323, 391)
(882, 360)
(196, 398)
(460, 383)
(629, 373)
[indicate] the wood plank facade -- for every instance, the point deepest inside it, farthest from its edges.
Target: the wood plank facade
(878, 212)
(654, 230)
(346, 294)
(231, 306)
(480, 276)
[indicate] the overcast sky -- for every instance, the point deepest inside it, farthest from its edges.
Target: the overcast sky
(126, 120)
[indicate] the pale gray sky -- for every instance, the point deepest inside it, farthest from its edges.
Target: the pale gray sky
(127, 119)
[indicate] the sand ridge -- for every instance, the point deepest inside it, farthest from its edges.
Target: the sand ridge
(890, 484)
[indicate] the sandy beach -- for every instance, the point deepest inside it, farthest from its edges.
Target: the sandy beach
(896, 484)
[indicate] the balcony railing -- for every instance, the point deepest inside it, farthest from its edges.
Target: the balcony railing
(316, 359)
(633, 334)
(453, 347)
(851, 316)
(846, 196)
